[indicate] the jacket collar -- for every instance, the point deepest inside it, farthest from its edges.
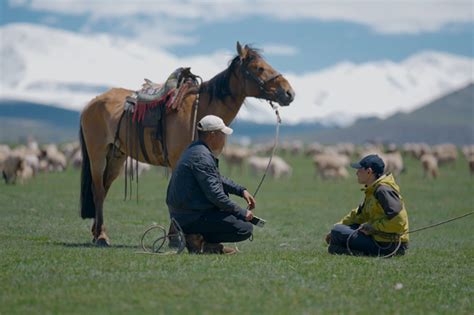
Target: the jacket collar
(386, 179)
(200, 142)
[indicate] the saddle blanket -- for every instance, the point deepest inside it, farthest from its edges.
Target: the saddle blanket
(153, 94)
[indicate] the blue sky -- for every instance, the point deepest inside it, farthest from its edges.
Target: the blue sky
(298, 36)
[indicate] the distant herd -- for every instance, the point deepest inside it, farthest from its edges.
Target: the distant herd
(21, 163)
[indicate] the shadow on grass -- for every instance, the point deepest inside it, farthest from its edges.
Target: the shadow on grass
(92, 245)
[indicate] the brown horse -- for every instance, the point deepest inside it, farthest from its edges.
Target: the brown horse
(247, 75)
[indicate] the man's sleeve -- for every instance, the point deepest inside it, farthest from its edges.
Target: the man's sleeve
(392, 205)
(389, 200)
(209, 180)
(354, 217)
(232, 188)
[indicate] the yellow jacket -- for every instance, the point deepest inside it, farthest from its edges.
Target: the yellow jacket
(372, 212)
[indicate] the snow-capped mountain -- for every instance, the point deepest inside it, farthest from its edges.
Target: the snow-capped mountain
(68, 69)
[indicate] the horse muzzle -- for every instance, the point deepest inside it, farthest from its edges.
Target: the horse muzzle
(285, 97)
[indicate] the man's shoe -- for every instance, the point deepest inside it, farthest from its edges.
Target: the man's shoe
(217, 248)
(194, 243)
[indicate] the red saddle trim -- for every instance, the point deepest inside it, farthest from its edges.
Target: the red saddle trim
(143, 107)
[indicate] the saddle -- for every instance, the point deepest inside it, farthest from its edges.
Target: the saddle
(147, 107)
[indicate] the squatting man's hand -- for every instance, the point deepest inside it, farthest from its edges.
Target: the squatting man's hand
(249, 215)
(250, 201)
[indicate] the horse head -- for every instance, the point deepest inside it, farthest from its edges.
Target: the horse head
(261, 80)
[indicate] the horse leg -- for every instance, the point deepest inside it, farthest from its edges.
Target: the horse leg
(115, 162)
(98, 165)
(113, 169)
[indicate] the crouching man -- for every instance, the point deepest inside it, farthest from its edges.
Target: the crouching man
(377, 225)
(198, 196)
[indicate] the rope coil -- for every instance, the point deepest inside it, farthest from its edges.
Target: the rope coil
(396, 237)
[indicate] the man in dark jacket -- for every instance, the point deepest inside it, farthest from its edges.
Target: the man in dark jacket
(198, 196)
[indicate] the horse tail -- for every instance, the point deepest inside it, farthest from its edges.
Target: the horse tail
(87, 198)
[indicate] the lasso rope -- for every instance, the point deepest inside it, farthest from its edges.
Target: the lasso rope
(397, 237)
(275, 144)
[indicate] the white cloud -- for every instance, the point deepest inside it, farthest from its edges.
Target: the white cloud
(279, 50)
(68, 69)
(385, 16)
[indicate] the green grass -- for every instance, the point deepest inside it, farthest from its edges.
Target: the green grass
(47, 264)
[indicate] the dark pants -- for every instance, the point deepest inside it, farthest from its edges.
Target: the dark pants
(219, 227)
(360, 244)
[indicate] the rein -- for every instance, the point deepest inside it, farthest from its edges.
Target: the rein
(397, 237)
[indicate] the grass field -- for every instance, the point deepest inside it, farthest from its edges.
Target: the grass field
(48, 264)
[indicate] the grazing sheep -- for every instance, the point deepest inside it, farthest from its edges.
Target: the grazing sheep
(76, 160)
(331, 165)
(468, 151)
(393, 162)
(430, 165)
(235, 156)
(416, 150)
(257, 164)
(57, 161)
(347, 149)
(445, 153)
(278, 167)
(313, 149)
(15, 168)
(296, 147)
(341, 172)
(70, 150)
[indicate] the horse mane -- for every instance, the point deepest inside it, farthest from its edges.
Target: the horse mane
(219, 86)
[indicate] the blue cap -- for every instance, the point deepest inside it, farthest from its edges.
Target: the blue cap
(372, 161)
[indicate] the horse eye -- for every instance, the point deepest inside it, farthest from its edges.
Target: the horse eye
(260, 69)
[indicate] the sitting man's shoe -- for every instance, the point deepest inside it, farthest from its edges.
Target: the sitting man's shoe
(217, 248)
(194, 243)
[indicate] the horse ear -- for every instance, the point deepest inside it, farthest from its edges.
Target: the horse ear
(242, 51)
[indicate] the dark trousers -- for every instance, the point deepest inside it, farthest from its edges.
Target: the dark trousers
(359, 244)
(219, 227)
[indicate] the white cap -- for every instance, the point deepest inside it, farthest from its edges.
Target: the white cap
(213, 123)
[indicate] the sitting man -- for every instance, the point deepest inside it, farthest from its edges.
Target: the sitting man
(379, 220)
(198, 196)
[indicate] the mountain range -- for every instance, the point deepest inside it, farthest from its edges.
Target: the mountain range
(447, 119)
(44, 65)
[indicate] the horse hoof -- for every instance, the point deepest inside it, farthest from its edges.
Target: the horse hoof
(102, 242)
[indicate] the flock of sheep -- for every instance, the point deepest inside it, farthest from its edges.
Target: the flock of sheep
(332, 161)
(329, 161)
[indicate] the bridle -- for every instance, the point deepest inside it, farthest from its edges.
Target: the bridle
(259, 81)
